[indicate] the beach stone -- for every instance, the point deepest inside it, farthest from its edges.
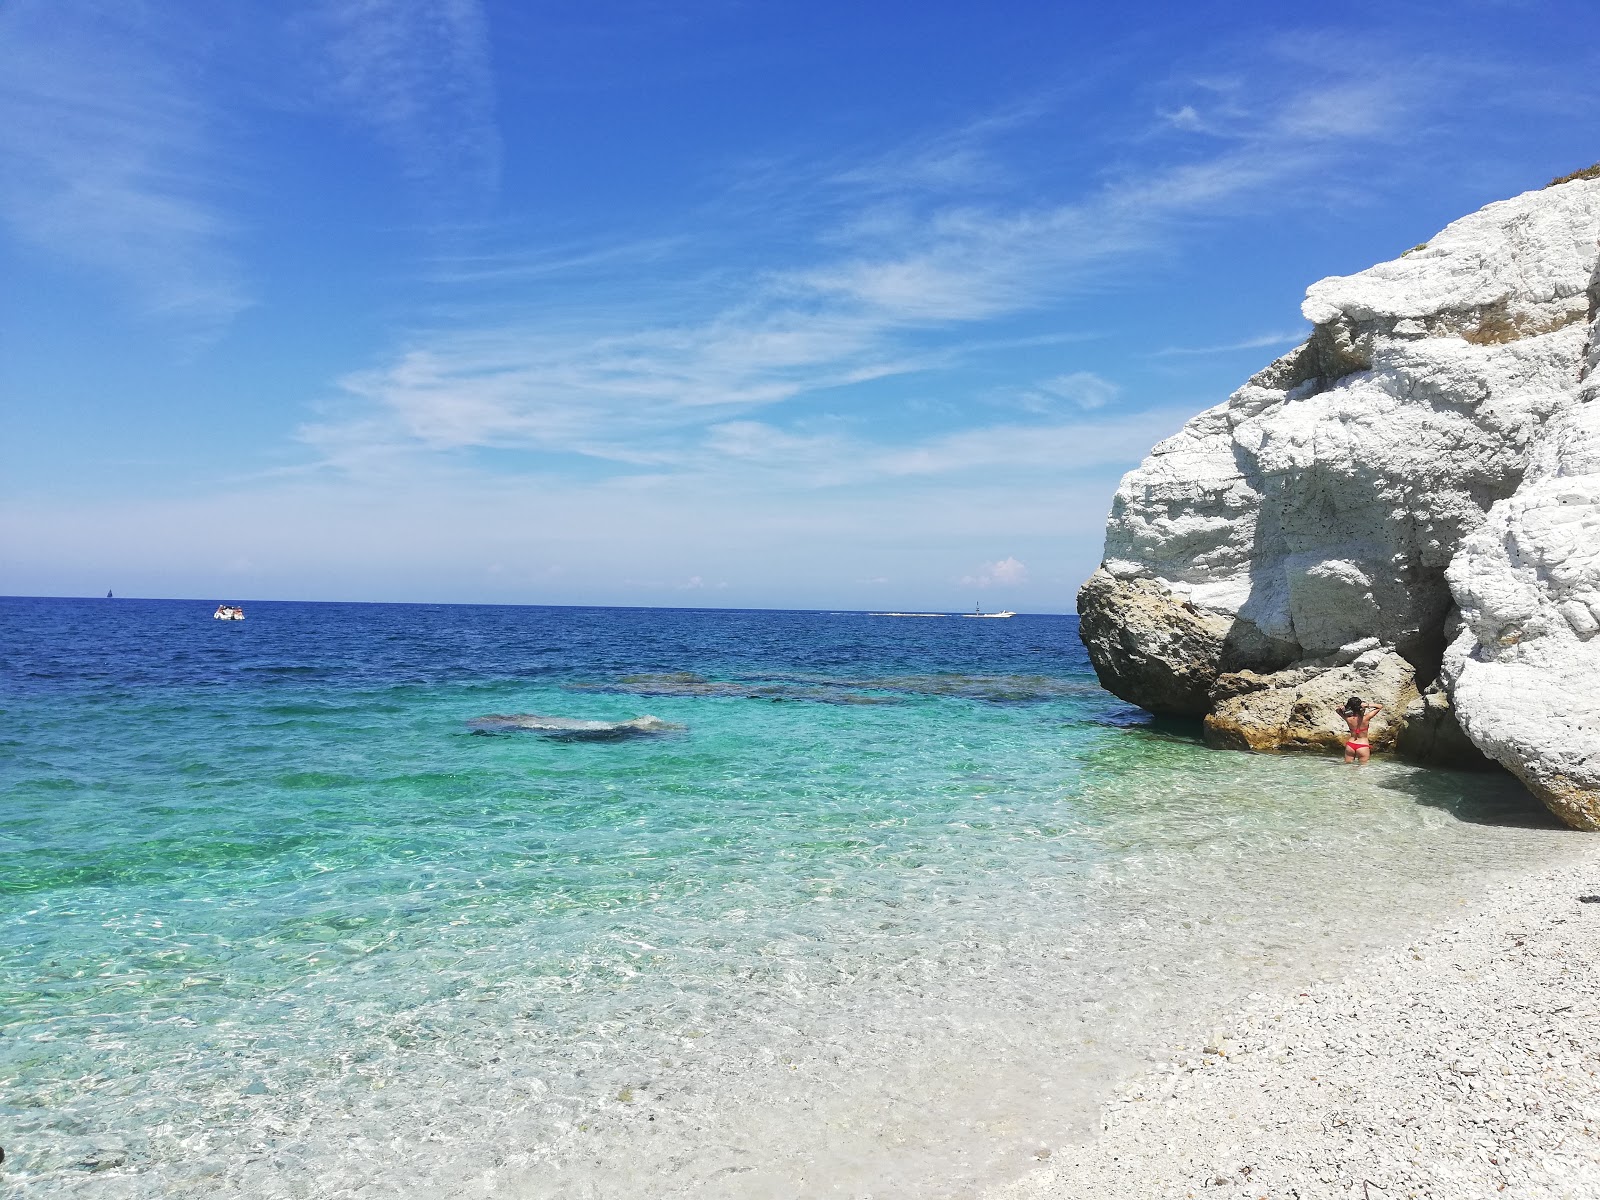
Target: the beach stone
(1431, 447)
(1297, 709)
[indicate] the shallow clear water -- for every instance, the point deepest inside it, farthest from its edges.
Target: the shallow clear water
(881, 916)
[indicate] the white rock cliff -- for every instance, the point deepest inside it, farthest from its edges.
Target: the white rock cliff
(1419, 483)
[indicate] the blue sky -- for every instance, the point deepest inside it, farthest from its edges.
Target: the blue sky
(705, 302)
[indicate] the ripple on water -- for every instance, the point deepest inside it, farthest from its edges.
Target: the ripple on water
(896, 947)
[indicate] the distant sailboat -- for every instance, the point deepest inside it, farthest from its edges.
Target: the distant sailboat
(108, 594)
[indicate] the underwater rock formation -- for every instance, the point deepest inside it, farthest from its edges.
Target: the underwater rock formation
(573, 729)
(1422, 473)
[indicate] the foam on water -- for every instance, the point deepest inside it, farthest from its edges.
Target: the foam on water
(276, 924)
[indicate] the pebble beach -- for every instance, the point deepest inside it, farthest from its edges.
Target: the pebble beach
(1463, 1064)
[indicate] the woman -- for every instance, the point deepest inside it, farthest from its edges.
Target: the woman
(1359, 717)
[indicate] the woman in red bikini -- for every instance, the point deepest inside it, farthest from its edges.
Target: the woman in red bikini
(1359, 717)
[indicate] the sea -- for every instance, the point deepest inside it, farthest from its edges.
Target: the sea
(390, 900)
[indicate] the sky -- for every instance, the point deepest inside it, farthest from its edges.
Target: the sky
(711, 303)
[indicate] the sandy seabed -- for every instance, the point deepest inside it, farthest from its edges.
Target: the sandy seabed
(1466, 1064)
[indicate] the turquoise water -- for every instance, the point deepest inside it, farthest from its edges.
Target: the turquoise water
(879, 909)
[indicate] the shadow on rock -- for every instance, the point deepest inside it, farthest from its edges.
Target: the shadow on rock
(1137, 720)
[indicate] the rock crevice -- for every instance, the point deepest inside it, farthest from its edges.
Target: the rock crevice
(1432, 449)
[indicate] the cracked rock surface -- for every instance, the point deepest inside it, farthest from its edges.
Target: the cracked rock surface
(1525, 670)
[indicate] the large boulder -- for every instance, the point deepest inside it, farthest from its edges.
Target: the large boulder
(1328, 500)
(1161, 651)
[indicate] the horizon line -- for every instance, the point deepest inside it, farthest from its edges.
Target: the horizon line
(866, 612)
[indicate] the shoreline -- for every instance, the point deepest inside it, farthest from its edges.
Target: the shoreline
(1464, 1064)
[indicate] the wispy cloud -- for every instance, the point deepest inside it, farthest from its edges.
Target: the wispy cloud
(598, 395)
(1259, 342)
(1186, 118)
(523, 264)
(1084, 389)
(863, 291)
(110, 160)
(962, 158)
(115, 129)
(754, 454)
(1344, 89)
(417, 74)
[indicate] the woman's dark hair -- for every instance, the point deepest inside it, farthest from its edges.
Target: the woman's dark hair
(1352, 707)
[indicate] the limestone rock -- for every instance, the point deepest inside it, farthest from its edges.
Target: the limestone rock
(1297, 709)
(1525, 672)
(1325, 503)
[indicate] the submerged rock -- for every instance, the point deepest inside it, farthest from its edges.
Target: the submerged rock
(104, 1158)
(1434, 446)
(571, 728)
(687, 683)
(827, 689)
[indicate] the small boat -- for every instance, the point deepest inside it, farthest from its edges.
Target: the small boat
(228, 612)
(977, 611)
(108, 594)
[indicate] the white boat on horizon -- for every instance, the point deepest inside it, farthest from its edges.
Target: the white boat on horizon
(228, 612)
(977, 611)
